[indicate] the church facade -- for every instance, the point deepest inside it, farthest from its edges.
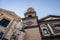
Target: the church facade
(47, 28)
(31, 26)
(8, 21)
(50, 27)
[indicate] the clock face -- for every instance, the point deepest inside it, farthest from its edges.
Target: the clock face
(29, 23)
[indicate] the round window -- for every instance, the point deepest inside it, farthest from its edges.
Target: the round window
(29, 22)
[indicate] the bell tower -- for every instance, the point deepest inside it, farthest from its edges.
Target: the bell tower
(30, 12)
(30, 23)
(30, 19)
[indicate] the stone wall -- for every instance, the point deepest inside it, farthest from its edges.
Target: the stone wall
(32, 34)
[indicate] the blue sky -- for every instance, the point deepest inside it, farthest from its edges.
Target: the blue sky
(42, 7)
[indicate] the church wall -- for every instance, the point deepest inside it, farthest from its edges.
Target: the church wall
(11, 30)
(52, 30)
(33, 20)
(21, 36)
(32, 34)
(10, 16)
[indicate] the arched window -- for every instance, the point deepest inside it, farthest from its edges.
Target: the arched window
(30, 16)
(45, 31)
